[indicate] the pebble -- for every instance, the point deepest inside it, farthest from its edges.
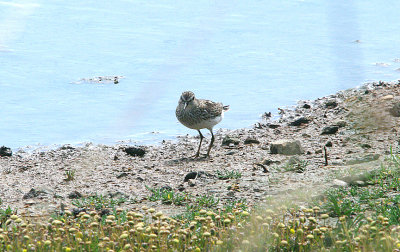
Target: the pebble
(286, 147)
(135, 151)
(329, 130)
(5, 151)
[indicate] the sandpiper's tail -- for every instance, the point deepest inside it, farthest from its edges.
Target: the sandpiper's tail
(225, 107)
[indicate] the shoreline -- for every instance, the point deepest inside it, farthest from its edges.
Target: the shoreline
(359, 124)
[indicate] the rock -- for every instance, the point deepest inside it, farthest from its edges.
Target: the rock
(286, 147)
(117, 194)
(192, 182)
(331, 104)
(296, 164)
(228, 140)
(33, 193)
(5, 151)
(181, 188)
(77, 211)
(329, 144)
(166, 188)
(105, 212)
(74, 195)
(135, 151)
(339, 183)
(251, 140)
(270, 162)
(299, 121)
(365, 146)
(387, 97)
(256, 165)
(190, 175)
(273, 126)
(306, 106)
(328, 130)
(121, 175)
(365, 159)
(340, 123)
(395, 110)
(358, 183)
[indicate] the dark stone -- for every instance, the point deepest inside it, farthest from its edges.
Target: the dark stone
(124, 174)
(395, 110)
(66, 147)
(135, 151)
(190, 175)
(286, 147)
(181, 188)
(117, 194)
(273, 126)
(105, 212)
(331, 104)
(140, 179)
(251, 140)
(341, 124)
(33, 193)
(77, 211)
(270, 162)
(328, 130)
(300, 121)
(306, 106)
(267, 115)
(166, 188)
(74, 195)
(5, 151)
(329, 144)
(230, 140)
(366, 146)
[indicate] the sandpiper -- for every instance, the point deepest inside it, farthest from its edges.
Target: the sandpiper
(199, 114)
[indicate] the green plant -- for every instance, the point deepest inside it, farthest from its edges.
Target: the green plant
(295, 164)
(70, 175)
(98, 202)
(225, 174)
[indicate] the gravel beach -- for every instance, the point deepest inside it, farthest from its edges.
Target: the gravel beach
(310, 147)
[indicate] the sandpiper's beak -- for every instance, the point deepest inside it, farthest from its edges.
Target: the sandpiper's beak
(184, 106)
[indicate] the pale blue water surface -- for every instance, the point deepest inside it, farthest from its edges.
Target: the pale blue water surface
(254, 55)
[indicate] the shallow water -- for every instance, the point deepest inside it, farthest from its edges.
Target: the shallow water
(254, 56)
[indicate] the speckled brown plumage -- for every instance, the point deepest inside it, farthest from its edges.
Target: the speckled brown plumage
(199, 114)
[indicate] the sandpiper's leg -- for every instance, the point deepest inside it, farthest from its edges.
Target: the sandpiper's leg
(211, 143)
(201, 140)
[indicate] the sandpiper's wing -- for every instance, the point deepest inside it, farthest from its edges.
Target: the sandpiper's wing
(209, 109)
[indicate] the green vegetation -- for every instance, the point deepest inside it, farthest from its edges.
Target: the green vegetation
(355, 218)
(98, 202)
(69, 175)
(225, 174)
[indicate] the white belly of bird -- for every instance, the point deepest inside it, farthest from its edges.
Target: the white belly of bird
(207, 124)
